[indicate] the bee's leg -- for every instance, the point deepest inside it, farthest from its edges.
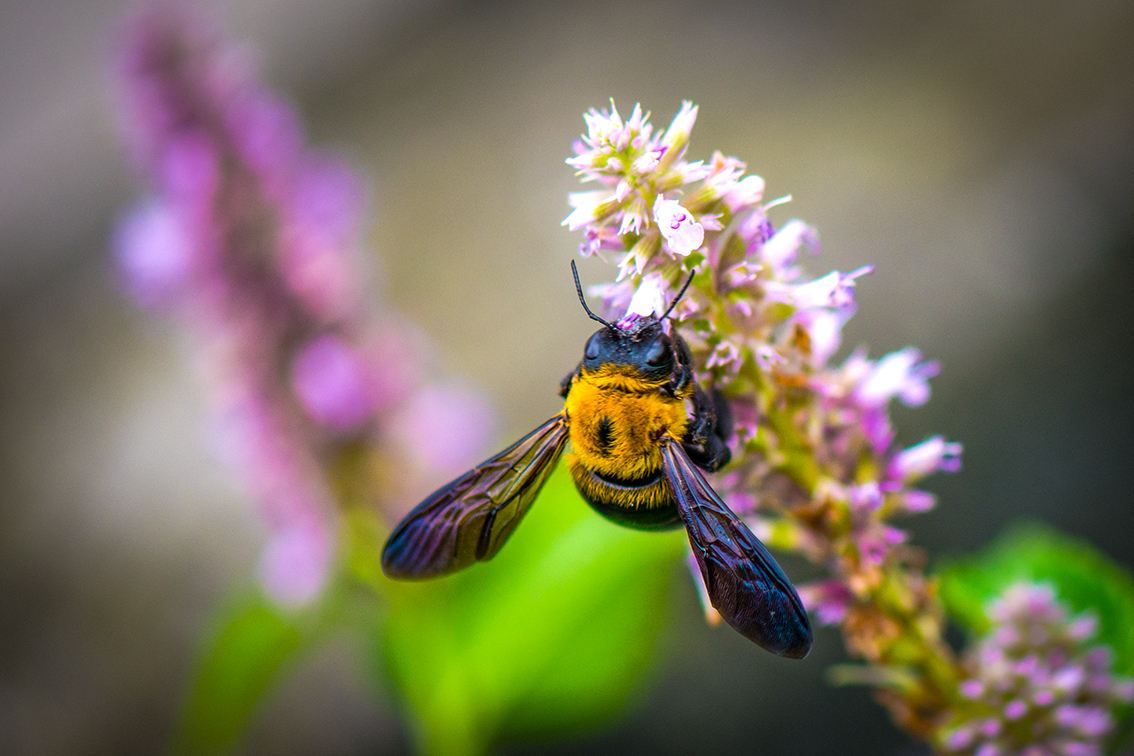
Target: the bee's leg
(683, 367)
(717, 455)
(704, 418)
(706, 440)
(565, 384)
(724, 425)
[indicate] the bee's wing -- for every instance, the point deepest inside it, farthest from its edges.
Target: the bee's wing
(469, 519)
(744, 582)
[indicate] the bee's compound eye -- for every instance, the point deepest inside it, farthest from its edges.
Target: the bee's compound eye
(659, 353)
(592, 349)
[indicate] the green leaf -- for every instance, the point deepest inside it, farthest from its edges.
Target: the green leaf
(554, 633)
(1083, 578)
(252, 642)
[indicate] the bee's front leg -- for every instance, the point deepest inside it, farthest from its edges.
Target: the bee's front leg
(565, 384)
(683, 366)
(706, 440)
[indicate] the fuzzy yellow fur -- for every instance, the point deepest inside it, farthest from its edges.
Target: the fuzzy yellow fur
(657, 494)
(639, 416)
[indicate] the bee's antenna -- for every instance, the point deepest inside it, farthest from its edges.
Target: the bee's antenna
(583, 301)
(680, 294)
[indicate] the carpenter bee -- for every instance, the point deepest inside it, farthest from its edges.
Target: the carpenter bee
(641, 430)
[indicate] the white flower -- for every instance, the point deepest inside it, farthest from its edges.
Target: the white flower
(589, 207)
(676, 137)
(745, 193)
(834, 290)
(649, 299)
(781, 251)
(931, 455)
(682, 233)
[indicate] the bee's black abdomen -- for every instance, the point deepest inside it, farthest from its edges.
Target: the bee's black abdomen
(644, 504)
(659, 518)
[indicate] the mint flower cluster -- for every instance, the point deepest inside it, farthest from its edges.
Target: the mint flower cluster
(1034, 684)
(817, 466)
(253, 239)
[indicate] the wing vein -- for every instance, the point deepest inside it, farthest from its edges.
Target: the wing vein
(470, 518)
(744, 581)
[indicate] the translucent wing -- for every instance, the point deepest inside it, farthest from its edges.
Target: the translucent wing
(744, 582)
(469, 519)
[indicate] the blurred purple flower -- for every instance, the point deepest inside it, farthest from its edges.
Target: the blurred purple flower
(829, 600)
(1034, 684)
(333, 383)
(444, 427)
(923, 459)
(900, 374)
(824, 329)
(727, 356)
(153, 253)
(834, 290)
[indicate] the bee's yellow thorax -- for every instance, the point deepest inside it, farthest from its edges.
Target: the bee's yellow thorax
(617, 420)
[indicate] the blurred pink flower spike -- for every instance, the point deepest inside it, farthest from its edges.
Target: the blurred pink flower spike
(255, 235)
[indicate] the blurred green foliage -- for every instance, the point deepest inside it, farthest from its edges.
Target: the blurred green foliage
(251, 644)
(1085, 579)
(555, 633)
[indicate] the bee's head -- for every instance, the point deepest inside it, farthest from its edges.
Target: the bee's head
(646, 348)
(643, 344)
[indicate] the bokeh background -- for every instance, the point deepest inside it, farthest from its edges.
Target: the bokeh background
(979, 154)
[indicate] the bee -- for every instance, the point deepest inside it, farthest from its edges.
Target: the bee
(641, 431)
